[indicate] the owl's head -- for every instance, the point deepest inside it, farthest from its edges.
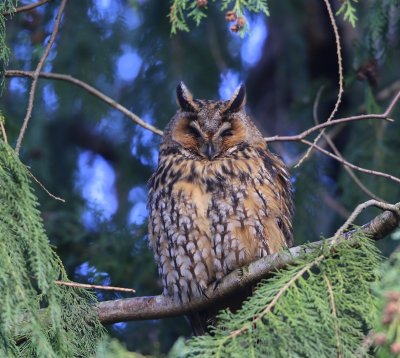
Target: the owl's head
(206, 129)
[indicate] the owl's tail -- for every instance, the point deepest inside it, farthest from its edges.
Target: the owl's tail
(202, 321)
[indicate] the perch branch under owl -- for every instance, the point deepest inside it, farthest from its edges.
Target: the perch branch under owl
(156, 307)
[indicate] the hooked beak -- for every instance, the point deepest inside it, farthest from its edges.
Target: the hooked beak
(210, 150)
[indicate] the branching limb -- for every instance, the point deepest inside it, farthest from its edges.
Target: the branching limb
(91, 90)
(156, 307)
(350, 165)
(36, 76)
(329, 141)
(357, 211)
(340, 72)
(44, 188)
(351, 172)
(302, 135)
(27, 7)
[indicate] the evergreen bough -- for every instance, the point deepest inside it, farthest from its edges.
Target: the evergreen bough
(37, 317)
(319, 307)
(6, 6)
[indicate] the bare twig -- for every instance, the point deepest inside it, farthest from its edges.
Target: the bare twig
(351, 172)
(94, 287)
(3, 130)
(334, 314)
(91, 90)
(302, 135)
(156, 307)
(44, 188)
(334, 204)
(391, 106)
(340, 72)
(350, 165)
(329, 141)
(138, 120)
(384, 206)
(26, 7)
(36, 76)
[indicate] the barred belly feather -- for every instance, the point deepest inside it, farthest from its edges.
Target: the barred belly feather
(209, 218)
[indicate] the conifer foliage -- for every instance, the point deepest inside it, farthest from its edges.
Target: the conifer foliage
(319, 307)
(37, 317)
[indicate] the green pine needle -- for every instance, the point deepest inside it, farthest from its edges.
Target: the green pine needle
(348, 11)
(181, 10)
(318, 307)
(37, 317)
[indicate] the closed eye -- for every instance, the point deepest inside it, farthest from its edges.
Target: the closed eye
(226, 132)
(194, 130)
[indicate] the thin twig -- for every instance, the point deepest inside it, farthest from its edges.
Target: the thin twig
(337, 152)
(350, 165)
(44, 188)
(94, 287)
(340, 72)
(334, 314)
(351, 172)
(3, 130)
(91, 90)
(36, 76)
(334, 204)
(26, 7)
(277, 296)
(302, 135)
(384, 206)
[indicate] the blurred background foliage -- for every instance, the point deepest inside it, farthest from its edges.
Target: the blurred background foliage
(99, 161)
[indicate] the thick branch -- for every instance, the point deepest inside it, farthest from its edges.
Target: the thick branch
(155, 307)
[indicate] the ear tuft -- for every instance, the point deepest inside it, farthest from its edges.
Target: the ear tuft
(185, 98)
(238, 100)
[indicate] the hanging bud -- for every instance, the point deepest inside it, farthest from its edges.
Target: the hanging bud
(201, 3)
(230, 16)
(235, 28)
(392, 295)
(395, 348)
(241, 21)
(380, 339)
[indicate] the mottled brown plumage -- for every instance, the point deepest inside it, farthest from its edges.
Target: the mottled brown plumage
(219, 198)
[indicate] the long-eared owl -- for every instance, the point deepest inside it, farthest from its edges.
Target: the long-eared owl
(219, 198)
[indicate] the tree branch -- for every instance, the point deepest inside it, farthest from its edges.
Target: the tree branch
(93, 91)
(36, 76)
(340, 72)
(26, 7)
(302, 135)
(156, 307)
(350, 165)
(336, 151)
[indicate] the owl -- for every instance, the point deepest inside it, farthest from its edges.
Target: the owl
(219, 199)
